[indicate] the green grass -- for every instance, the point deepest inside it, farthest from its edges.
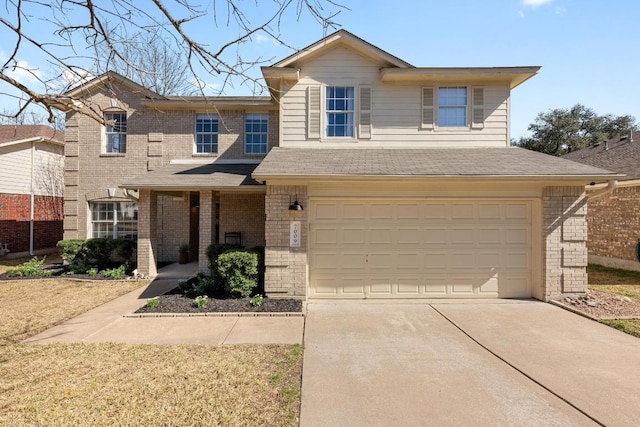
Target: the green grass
(597, 271)
(631, 327)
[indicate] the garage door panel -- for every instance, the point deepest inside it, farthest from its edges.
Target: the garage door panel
(462, 235)
(420, 249)
(354, 235)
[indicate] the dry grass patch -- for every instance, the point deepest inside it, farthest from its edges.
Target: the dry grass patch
(614, 281)
(119, 384)
(114, 384)
(31, 306)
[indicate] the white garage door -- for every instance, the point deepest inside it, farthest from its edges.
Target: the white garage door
(363, 248)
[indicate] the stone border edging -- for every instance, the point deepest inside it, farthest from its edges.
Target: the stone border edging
(215, 314)
(573, 310)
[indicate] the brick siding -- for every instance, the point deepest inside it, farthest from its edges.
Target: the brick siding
(286, 267)
(564, 247)
(15, 213)
(614, 224)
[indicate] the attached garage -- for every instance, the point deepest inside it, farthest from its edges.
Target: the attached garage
(420, 248)
(424, 223)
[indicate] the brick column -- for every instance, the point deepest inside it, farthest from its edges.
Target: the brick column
(207, 208)
(286, 267)
(565, 236)
(147, 220)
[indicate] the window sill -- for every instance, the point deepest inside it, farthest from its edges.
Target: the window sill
(204, 155)
(452, 129)
(338, 139)
(113, 154)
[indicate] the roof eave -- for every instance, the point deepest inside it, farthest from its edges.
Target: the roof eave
(513, 75)
(540, 178)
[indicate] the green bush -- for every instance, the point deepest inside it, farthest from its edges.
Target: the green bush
(261, 267)
(116, 273)
(33, 267)
(72, 249)
(214, 250)
(84, 255)
(205, 285)
(239, 269)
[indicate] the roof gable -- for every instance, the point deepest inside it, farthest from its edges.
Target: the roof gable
(342, 37)
(110, 77)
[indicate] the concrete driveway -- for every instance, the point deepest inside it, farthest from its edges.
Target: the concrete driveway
(472, 363)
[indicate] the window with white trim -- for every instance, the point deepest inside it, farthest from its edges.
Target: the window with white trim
(206, 133)
(256, 133)
(452, 106)
(340, 105)
(115, 133)
(114, 220)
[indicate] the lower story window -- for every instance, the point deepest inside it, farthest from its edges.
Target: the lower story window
(114, 220)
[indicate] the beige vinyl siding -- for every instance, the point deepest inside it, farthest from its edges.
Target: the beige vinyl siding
(48, 173)
(396, 113)
(15, 169)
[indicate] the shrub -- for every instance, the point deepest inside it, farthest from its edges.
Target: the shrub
(257, 300)
(33, 267)
(125, 248)
(73, 253)
(261, 267)
(116, 273)
(184, 286)
(239, 269)
(214, 251)
(205, 284)
(153, 302)
(201, 301)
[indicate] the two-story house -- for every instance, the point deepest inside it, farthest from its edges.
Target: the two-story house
(362, 175)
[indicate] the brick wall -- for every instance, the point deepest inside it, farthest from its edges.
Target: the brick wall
(614, 224)
(564, 237)
(15, 214)
(286, 267)
(243, 212)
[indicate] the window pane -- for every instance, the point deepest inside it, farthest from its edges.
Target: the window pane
(116, 132)
(256, 133)
(340, 104)
(206, 133)
(452, 106)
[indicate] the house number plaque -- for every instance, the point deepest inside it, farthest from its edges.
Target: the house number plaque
(294, 234)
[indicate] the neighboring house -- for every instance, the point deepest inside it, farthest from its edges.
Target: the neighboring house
(614, 219)
(362, 175)
(31, 189)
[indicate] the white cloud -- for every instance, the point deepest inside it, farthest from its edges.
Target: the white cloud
(261, 38)
(535, 3)
(21, 70)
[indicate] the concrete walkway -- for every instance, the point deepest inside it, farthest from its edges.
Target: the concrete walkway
(107, 323)
(485, 363)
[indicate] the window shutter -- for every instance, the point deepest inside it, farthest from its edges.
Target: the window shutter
(364, 125)
(428, 109)
(477, 111)
(313, 112)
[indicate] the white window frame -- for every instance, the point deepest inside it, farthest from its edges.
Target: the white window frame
(347, 112)
(457, 107)
(114, 130)
(215, 121)
(113, 219)
(263, 117)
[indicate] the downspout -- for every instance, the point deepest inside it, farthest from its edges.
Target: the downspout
(32, 200)
(613, 184)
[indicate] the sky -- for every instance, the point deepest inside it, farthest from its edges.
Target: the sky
(586, 48)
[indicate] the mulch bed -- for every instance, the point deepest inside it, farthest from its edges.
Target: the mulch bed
(177, 302)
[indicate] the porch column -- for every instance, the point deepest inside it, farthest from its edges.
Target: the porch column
(147, 219)
(206, 229)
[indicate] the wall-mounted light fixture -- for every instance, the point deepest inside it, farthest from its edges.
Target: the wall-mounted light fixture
(295, 206)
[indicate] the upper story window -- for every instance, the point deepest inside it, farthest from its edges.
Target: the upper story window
(206, 134)
(452, 107)
(113, 220)
(256, 133)
(116, 132)
(340, 105)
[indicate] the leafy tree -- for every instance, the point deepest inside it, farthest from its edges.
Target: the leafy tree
(75, 37)
(559, 131)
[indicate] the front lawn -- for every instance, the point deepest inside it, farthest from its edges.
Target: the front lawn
(619, 282)
(118, 384)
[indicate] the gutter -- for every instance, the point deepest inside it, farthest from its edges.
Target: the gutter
(613, 184)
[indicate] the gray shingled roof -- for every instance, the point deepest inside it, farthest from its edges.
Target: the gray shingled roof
(621, 155)
(180, 177)
(9, 133)
(424, 162)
